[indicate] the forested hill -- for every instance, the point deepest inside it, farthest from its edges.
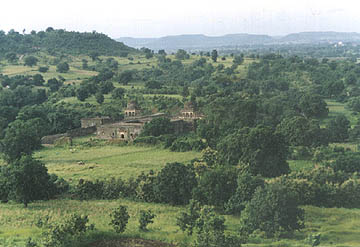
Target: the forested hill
(199, 41)
(63, 41)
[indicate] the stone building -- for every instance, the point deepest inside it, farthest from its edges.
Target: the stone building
(189, 112)
(132, 110)
(127, 129)
(96, 121)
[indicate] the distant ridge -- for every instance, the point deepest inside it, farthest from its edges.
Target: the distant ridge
(200, 41)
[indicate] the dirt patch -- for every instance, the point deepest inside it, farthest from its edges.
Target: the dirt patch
(130, 242)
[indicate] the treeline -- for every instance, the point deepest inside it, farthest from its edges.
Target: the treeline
(61, 41)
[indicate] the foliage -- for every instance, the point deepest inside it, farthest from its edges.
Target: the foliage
(146, 218)
(273, 209)
(338, 128)
(119, 219)
(62, 67)
(26, 180)
(246, 186)
(63, 234)
(157, 127)
(215, 187)
(30, 61)
(174, 184)
(264, 151)
(21, 138)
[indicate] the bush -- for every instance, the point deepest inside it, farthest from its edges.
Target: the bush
(174, 184)
(246, 186)
(273, 209)
(215, 187)
(146, 218)
(119, 219)
(187, 143)
(67, 233)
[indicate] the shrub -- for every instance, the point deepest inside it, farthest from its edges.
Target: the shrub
(174, 184)
(146, 218)
(65, 234)
(43, 69)
(246, 186)
(215, 187)
(273, 209)
(119, 219)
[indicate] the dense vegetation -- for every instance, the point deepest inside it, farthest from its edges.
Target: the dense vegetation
(259, 116)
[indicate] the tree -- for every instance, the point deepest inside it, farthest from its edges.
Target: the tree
(62, 67)
(181, 54)
(38, 80)
(215, 187)
(260, 149)
(146, 218)
(29, 180)
(246, 186)
(312, 105)
(174, 184)
(157, 127)
(209, 228)
(118, 93)
(273, 209)
(82, 93)
(99, 97)
(301, 131)
(339, 128)
(119, 219)
(125, 77)
(21, 138)
(214, 55)
(54, 84)
(30, 61)
(11, 57)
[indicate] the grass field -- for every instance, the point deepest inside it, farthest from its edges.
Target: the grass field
(336, 108)
(103, 162)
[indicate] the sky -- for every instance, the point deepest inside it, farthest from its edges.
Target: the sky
(157, 18)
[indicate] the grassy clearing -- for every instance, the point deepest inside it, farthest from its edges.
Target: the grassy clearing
(338, 227)
(298, 165)
(103, 162)
(337, 108)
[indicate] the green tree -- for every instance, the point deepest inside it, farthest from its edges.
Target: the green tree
(118, 93)
(146, 218)
(157, 127)
(216, 186)
(21, 138)
(125, 77)
(261, 149)
(339, 128)
(30, 61)
(119, 219)
(38, 80)
(29, 180)
(301, 131)
(214, 55)
(312, 105)
(99, 97)
(62, 67)
(181, 54)
(54, 84)
(246, 186)
(273, 209)
(11, 57)
(174, 184)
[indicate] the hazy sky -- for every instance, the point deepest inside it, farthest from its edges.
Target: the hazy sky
(155, 18)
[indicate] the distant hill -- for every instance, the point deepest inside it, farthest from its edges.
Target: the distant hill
(62, 41)
(199, 41)
(320, 37)
(196, 41)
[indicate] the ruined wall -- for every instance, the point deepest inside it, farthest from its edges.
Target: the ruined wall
(81, 131)
(120, 131)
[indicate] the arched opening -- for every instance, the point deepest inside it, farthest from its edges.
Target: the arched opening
(122, 136)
